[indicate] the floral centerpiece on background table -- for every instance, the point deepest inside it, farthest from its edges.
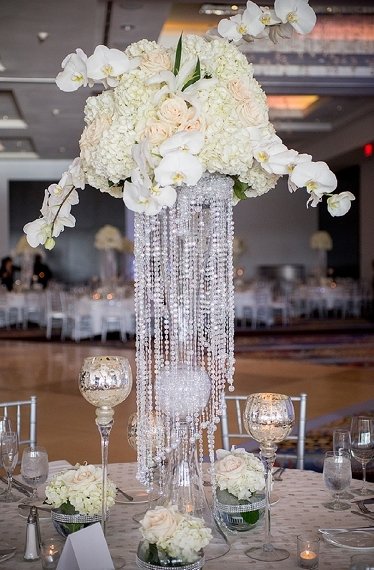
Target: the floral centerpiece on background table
(172, 539)
(240, 483)
(76, 494)
(166, 116)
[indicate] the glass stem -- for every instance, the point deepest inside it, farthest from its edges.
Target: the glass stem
(9, 482)
(268, 458)
(104, 433)
(363, 477)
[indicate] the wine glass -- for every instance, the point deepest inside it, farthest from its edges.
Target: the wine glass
(4, 427)
(362, 445)
(268, 418)
(105, 381)
(34, 470)
(337, 476)
(9, 458)
(341, 444)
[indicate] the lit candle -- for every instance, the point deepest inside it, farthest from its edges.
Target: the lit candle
(308, 559)
(50, 553)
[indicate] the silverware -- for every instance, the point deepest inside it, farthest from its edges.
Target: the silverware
(368, 501)
(126, 495)
(355, 529)
(370, 517)
(19, 487)
(364, 509)
(6, 551)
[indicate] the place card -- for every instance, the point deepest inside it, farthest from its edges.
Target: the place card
(86, 549)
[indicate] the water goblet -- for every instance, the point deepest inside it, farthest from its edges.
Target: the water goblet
(362, 445)
(34, 470)
(268, 418)
(341, 443)
(9, 458)
(337, 476)
(105, 382)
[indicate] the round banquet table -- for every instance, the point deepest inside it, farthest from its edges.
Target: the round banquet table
(298, 511)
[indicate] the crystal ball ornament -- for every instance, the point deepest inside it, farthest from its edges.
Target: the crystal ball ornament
(183, 391)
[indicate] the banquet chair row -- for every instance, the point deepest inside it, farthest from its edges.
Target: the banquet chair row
(232, 415)
(22, 415)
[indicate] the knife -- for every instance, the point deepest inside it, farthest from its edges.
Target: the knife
(369, 501)
(355, 529)
(19, 487)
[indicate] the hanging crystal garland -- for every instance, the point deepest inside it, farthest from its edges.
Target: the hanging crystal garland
(184, 303)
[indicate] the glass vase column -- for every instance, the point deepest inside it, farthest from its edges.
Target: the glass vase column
(184, 305)
(108, 267)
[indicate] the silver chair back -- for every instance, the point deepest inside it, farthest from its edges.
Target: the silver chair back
(22, 415)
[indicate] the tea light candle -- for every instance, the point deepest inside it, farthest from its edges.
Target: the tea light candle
(308, 559)
(50, 553)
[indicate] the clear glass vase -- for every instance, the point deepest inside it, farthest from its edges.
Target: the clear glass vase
(108, 268)
(66, 524)
(236, 515)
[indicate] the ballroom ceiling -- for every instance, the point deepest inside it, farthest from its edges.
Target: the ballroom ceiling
(333, 66)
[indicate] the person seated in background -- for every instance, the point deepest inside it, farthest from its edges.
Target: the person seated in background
(41, 272)
(7, 271)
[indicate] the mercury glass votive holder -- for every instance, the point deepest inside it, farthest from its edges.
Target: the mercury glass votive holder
(308, 551)
(50, 552)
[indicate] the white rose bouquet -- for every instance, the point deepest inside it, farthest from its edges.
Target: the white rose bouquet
(79, 490)
(239, 476)
(108, 237)
(169, 535)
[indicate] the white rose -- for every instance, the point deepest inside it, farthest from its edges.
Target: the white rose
(174, 111)
(238, 90)
(230, 467)
(252, 113)
(339, 204)
(159, 524)
(157, 132)
(156, 61)
(92, 134)
(82, 477)
(194, 123)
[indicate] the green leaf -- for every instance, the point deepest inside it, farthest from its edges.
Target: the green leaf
(250, 517)
(153, 555)
(178, 56)
(195, 77)
(240, 188)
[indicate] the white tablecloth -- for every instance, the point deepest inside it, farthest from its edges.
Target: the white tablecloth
(99, 309)
(298, 511)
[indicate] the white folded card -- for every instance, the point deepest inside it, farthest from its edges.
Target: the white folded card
(86, 549)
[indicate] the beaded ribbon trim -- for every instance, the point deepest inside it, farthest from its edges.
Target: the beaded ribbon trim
(147, 566)
(77, 518)
(235, 509)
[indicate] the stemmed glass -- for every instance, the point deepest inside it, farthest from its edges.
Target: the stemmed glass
(341, 444)
(34, 470)
(4, 427)
(105, 381)
(362, 446)
(9, 458)
(268, 418)
(337, 476)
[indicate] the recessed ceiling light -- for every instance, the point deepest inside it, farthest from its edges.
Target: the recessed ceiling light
(62, 149)
(127, 27)
(42, 36)
(55, 112)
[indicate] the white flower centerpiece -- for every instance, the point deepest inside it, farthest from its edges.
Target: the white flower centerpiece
(172, 539)
(75, 495)
(240, 483)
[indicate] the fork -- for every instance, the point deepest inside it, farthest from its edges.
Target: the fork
(360, 514)
(363, 508)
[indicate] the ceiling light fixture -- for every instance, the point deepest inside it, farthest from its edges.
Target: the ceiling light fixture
(55, 112)
(127, 27)
(219, 9)
(42, 36)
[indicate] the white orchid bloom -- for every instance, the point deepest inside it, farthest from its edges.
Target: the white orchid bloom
(37, 232)
(298, 159)
(174, 83)
(74, 73)
(251, 22)
(63, 220)
(297, 13)
(317, 179)
(142, 196)
(261, 137)
(106, 65)
(179, 167)
(77, 174)
(339, 204)
(190, 141)
(270, 157)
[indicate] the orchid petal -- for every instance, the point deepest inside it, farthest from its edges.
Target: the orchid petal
(191, 142)
(74, 73)
(179, 167)
(297, 13)
(339, 204)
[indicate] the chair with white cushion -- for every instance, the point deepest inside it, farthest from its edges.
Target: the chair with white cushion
(22, 415)
(232, 427)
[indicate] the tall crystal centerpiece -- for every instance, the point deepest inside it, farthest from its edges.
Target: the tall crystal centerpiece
(184, 306)
(268, 418)
(105, 382)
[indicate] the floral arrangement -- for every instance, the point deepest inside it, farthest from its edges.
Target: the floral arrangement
(24, 248)
(167, 116)
(321, 240)
(79, 490)
(171, 535)
(239, 473)
(109, 237)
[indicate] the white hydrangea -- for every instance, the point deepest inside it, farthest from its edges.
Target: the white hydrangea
(189, 538)
(239, 472)
(82, 488)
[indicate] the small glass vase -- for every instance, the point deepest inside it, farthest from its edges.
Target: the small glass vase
(67, 524)
(149, 557)
(236, 515)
